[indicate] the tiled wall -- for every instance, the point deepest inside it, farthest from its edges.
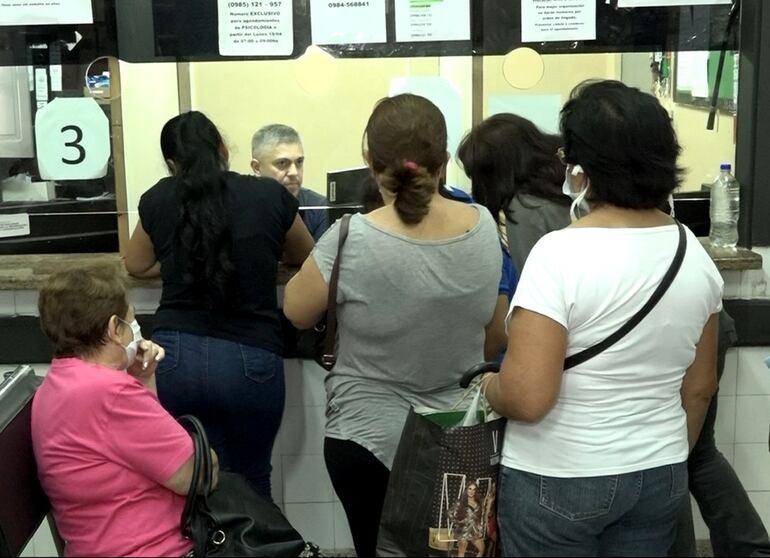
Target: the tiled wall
(301, 485)
(743, 424)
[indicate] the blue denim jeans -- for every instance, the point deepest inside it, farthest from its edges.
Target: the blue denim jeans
(633, 514)
(237, 391)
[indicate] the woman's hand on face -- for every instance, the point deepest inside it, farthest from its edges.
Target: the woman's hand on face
(147, 358)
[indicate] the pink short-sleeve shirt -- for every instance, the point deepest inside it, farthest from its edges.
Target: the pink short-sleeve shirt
(104, 446)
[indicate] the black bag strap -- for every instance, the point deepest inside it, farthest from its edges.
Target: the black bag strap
(668, 278)
(329, 357)
(202, 471)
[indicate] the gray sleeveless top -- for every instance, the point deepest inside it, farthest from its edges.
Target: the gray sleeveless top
(411, 320)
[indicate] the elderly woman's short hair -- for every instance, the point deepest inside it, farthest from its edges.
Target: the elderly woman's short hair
(76, 305)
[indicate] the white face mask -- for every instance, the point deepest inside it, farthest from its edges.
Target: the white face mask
(577, 197)
(133, 347)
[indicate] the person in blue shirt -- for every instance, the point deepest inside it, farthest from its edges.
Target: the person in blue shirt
(496, 339)
(276, 151)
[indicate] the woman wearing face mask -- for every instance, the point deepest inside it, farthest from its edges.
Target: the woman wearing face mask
(595, 457)
(114, 464)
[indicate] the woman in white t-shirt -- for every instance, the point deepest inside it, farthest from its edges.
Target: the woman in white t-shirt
(594, 459)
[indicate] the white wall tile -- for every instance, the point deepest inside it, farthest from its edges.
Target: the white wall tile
(752, 464)
(145, 301)
(724, 429)
(754, 283)
(761, 501)
(26, 302)
(43, 541)
(315, 522)
(342, 538)
(29, 550)
(276, 479)
(729, 382)
(701, 530)
(303, 430)
(728, 450)
(304, 383)
(305, 480)
(733, 280)
(753, 374)
(41, 369)
(752, 421)
(7, 303)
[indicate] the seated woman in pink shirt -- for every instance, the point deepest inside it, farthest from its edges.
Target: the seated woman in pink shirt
(115, 465)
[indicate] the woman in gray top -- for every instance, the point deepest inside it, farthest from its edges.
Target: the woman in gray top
(515, 170)
(417, 287)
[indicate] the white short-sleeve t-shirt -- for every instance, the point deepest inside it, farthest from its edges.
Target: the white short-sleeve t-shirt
(620, 411)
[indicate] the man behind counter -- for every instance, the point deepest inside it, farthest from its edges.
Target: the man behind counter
(276, 151)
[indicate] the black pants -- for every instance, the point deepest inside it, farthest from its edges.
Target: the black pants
(735, 528)
(360, 481)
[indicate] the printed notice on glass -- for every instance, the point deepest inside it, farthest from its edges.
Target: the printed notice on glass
(45, 12)
(14, 225)
(255, 27)
(433, 20)
(656, 3)
(342, 22)
(558, 20)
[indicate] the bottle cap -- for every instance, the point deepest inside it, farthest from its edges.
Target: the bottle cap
(725, 167)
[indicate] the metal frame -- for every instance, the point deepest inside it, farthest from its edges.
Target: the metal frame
(752, 155)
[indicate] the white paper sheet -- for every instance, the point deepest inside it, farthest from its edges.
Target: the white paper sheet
(442, 93)
(653, 3)
(433, 20)
(255, 27)
(14, 225)
(45, 12)
(41, 85)
(692, 73)
(341, 22)
(558, 20)
(542, 110)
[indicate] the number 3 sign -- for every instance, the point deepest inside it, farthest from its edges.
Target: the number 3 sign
(73, 139)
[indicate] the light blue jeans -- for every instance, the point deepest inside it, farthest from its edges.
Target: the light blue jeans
(633, 514)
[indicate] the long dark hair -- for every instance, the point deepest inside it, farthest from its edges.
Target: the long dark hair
(406, 137)
(195, 151)
(507, 155)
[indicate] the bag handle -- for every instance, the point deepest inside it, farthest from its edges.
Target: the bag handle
(329, 358)
(202, 471)
(668, 278)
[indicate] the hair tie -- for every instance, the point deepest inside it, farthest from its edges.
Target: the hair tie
(410, 165)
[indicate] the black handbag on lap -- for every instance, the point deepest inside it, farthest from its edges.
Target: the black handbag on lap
(232, 519)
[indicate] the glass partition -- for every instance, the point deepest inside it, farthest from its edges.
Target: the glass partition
(171, 60)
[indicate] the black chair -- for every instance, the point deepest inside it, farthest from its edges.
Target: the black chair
(23, 504)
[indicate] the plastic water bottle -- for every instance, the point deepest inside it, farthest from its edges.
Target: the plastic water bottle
(725, 207)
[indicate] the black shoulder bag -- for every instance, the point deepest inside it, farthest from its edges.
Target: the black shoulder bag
(232, 519)
(590, 352)
(319, 342)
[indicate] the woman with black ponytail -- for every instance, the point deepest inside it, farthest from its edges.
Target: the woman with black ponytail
(215, 237)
